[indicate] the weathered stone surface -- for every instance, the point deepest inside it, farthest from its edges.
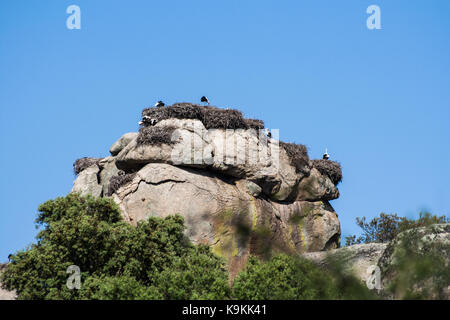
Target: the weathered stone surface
(108, 169)
(237, 190)
(429, 238)
(122, 143)
(220, 213)
(253, 189)
(359, 259)
(87, 182)
(240, 154)
(316, 186)
(376, 260)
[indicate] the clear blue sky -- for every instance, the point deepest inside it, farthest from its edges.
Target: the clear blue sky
(378, 100)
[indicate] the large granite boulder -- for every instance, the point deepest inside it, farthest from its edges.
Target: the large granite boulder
(316, 186)
(360, 260)
(238, 190)
(122, 143)
(225, 215)
(88, 182)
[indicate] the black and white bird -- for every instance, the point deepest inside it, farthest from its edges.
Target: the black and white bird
(146, 120)
(9, 257)
(159, 104)
(326, 156)
(204, 99)
(268, 133)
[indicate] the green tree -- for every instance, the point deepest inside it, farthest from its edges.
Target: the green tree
(283, 278)
(386, 227)
(116, 259)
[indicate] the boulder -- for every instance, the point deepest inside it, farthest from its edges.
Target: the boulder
(316, 186)
(108, 169)
(238, 190)
(359, 259)
(88, 182)
(224, 215)
(122, 143)
(241, 153)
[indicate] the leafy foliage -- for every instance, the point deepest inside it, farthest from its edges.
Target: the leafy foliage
(348, 286)
(386, 227)
(283, 278)
(117, 260)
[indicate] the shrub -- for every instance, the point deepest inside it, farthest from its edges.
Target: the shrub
(117, 260)
(283, 278)
(117, 181)
(298, 155)
(117, 288)
(329, 168)
(211, 117)
(155, 135)
(84, 163)
(348, 286)
(199, 275)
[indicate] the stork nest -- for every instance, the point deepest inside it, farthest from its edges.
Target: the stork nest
(84, 163)
(211, 117)
(117, 181)
(298, 155)
(155, 135)
(329, 168)
(254, 124)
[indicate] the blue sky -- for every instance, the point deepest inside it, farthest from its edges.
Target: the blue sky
(379, 100)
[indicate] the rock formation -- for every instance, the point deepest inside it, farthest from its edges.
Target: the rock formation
(238, 190)
(376, 260)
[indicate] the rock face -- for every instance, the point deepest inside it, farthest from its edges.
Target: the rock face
(238, 190)
(122, 143)
(375, 264)
(432, 238)
(359, 259)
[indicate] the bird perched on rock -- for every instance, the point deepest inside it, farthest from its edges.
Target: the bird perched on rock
(268, 133)
(326, 156)
(146, 120)
(204, 99)
(159, 104)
